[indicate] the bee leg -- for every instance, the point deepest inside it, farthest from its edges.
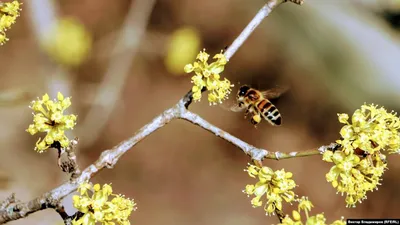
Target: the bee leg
(255, 120)
(247, 112)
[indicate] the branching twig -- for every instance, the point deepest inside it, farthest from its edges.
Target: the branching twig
(110, 157)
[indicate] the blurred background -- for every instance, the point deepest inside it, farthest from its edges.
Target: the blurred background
(122, 63)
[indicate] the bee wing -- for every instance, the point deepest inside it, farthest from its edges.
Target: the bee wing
(275, 92)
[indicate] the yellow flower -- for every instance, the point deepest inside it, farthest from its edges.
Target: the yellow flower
(98, 208)
(207, 77)
(69, 43)
(354, 175)
(360, 163)
(48, 118)
(305, 204)
(343, 118)
(275, 185)
(372, 129)
(9, 12)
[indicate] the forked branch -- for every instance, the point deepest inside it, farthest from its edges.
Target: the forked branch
(13, 210)
(110, 157)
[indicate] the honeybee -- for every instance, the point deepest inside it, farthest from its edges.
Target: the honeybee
(257, 104)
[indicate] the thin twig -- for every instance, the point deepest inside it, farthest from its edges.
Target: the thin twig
(109, 158)
(16, 96)
(260, 16)
(43, 17)
(113, 82)
(279, 213)
(256, 154)
(253, 152)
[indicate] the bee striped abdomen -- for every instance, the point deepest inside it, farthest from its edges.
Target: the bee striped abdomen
(271, 114)
(264, 105)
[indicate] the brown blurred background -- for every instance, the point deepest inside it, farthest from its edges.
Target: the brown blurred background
(335, 55)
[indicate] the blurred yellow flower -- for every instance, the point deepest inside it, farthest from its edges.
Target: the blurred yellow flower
(207, 76)
(183, 46)
(98, 209)
(48, 117)
(9, 12)
(70, 43)
(275, 185)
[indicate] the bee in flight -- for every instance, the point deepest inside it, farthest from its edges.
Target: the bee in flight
(257, 104)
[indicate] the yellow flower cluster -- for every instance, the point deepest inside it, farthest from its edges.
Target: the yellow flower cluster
(372, 129)
(48, 117)
(9, 12)
(97, 208)
(360, 164)
(354, 175)
(208, 76)
(275, 185)
(306, 205)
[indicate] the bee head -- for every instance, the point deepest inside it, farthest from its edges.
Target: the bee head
(243, 90)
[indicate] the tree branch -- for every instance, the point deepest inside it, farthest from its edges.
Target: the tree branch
(256, 154)
(107, 159)
(12, 210)
(8, 201)
(110, 157)
(258, 18)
